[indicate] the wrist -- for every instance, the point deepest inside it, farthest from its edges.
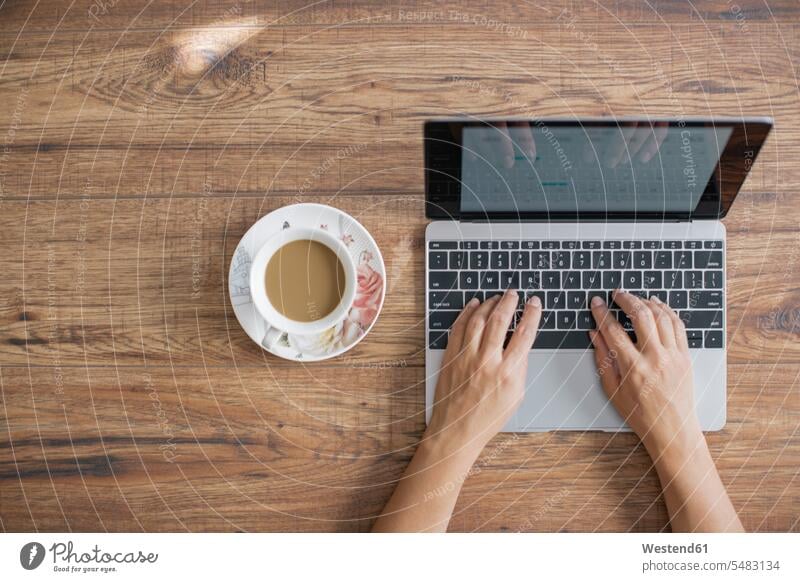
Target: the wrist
(671, 452)
(447, 448)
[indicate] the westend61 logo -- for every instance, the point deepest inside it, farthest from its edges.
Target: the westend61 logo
(66, 559)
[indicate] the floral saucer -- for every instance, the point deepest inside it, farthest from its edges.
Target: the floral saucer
(370, 289)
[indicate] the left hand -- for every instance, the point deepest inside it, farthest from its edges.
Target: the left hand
(481, 384)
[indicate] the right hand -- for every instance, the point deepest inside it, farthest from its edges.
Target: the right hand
(650, 383)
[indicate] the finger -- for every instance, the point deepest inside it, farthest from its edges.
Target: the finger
(679, 328)
(666, 333)
(474, 327)
(613, 334)
(641, 317)
(522, 340)
(619, 146)
(605, 359)
(506, 145)
(499, 321)
(522, 133)
(638, 139)
(660, 131)
(455, 340)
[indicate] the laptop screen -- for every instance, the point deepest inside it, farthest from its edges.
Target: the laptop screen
(595, 169)
(535, 167)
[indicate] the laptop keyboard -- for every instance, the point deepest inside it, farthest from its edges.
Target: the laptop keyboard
(685, 274)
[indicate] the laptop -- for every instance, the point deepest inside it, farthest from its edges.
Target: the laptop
(568, 209)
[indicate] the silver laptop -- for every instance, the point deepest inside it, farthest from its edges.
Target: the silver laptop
(569, 209)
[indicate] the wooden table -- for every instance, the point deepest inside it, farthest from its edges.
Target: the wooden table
(140, 141)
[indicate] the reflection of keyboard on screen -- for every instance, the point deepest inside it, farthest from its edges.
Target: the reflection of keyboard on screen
(565, 275)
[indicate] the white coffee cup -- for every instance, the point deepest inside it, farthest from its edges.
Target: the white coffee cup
(276, 322)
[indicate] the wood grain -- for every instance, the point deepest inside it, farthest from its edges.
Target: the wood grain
(141, 140)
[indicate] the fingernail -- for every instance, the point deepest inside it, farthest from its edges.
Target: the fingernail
(535, 301)
(597, 301)
(472, 302)
(655, 299)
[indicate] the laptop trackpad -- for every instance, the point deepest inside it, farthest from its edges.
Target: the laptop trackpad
(563, 392)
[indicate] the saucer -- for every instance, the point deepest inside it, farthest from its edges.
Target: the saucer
(370, 288)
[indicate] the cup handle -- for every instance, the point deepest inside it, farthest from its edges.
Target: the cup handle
(270, 336)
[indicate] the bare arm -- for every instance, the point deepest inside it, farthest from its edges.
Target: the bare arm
(480, 386)
(651, 386)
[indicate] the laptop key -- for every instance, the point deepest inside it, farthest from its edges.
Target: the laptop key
(509, 279)
(437, 260)
(612, 244)
(652, 244)
(673, 244)
(601, 260)
(468, 279)
(470, 294)
(509, 244)
(708, 259)
(677, 300)
(530, 244)
(695, 338)
(698, 319)
(592, 279)
(530, 280)
(713, 244)
(458, 259)
(584, 320)
(520, 260)
(632, 244)
(446, 300)
(437, 340)
(556, 299)
(441, 319)
(693, 244)
(713, 280)
(539, 294)
(442, 245)
(569, 244)
(612, 279)
(693, 279)
(581, 260)
(489, 294)
(663, 260)
(632, 280)
(713, 339)
(571, 280)
(652, 280)
(468, 245)
(662, 295)
(642, 260)
(565, 319)
(601, 294)
(705, 299)
(560, 260)
(490, 280)
(540, 260)
(673, 279)
(548, 320)
(591, 244)
(479, 260)
(551, 280)
(490, 244)
(622, 259)
(683, 259)
(551, 244)
(499, 260)
(576, 340)
(576, 300)
(442, 280)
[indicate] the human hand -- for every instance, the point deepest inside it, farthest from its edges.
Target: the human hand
(640, 141)
(499, 147)
(481, 384)
(650, 383)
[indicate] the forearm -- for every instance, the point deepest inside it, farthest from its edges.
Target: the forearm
(693, 491)
(426, 494)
